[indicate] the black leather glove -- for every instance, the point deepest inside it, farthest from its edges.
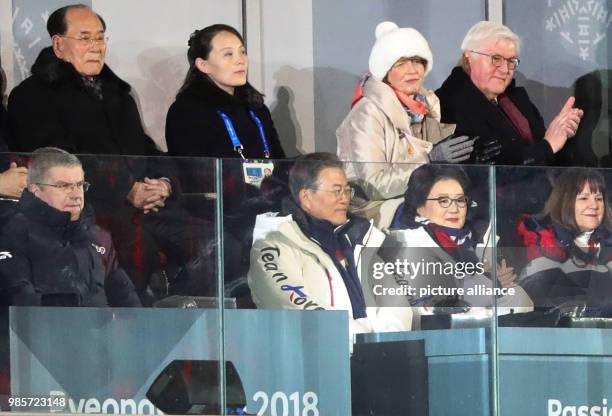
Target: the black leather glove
(486, 151)
(452, 149)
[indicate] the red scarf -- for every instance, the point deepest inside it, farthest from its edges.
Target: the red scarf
(517, 119)
(414, 103)
(414, 106)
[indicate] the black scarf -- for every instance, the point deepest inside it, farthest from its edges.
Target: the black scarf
(337, 243)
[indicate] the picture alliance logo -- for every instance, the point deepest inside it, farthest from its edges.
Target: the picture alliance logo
(581, 24)
(65, 404)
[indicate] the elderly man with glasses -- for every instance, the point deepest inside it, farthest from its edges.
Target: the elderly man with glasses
(75, 102)
(51, 252)
(308, 256)
(481, 97)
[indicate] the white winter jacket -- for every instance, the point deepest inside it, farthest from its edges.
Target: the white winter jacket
(291, 271)
(408, 239)
(377, 130)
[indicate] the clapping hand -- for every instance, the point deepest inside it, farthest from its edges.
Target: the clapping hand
(564, 125)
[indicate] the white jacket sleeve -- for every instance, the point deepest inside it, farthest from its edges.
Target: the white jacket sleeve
(276, 278)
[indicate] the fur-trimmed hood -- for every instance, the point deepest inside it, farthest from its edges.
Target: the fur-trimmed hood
(52, 70)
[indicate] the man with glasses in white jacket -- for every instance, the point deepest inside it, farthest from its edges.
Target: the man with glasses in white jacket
(308, 256)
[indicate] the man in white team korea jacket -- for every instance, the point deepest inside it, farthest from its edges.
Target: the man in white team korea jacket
(308, 256)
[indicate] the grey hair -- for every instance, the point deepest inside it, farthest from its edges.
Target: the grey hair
(305, 172)
(45, 158)
(485, 31)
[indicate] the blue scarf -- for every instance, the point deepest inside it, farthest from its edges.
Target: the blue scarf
(333, 241)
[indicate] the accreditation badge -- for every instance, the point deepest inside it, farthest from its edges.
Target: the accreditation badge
(256, 171)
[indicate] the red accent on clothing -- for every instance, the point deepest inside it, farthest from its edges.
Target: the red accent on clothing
(188, 369)
(593, 247)
(517, 119)
(339, 255)
(5, 384)
(444, 239)
(358, 93)
(417, 107)
(542, 243)
(138, 253)
(331, 289)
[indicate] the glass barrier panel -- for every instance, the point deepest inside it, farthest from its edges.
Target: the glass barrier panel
(108, 277)
(554, 231)
(364, 293)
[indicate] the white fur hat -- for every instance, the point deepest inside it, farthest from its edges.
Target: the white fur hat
(393, 43)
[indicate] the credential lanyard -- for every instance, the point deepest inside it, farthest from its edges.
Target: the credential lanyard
(229, 126)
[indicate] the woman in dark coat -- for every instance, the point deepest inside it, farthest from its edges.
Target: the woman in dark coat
(217, 113)
(216, 105)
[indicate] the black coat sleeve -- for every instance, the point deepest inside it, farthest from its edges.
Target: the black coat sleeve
(187, 131)
(16, 279)
(120, 290)
(540, 152)
(474, 115)
(34, 121)
(3, 128)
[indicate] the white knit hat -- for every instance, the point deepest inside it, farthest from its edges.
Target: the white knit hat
(393, 43)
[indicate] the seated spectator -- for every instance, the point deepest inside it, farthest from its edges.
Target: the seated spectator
(435, 215)
(74, 101)
(52, 252)
(394, 120)
(569, 245)
(481, 97)
(217, 113)
(309, 256)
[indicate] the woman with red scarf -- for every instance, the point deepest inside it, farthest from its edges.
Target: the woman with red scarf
(569, 245)
(394, 119)
(432, 228)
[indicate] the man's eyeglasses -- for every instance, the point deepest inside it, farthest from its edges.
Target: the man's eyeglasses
(498, 60)
(89, 41)
(348, 191)
(446, 202)
(66, 187)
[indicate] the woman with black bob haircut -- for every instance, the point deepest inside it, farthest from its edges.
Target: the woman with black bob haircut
(568, 245)
(434, 229)
(217, 113)
(419, 186)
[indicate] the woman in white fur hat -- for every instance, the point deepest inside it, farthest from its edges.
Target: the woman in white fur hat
(396, 120)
